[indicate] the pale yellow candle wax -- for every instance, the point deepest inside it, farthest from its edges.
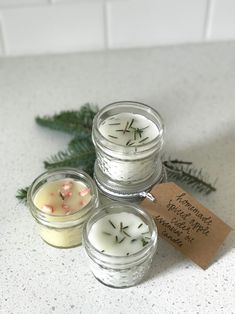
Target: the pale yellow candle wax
(60, 199)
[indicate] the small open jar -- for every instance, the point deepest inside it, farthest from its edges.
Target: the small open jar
(61, 201)
(128, 137)
(120, 240)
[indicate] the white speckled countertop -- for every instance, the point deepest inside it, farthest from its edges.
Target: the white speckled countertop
(193, 87)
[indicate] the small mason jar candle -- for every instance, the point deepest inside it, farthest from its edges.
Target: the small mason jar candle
(120, 240)
(61, 201)
(128, 137)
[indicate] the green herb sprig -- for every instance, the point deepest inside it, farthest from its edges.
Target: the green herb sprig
(80, 152)
(184, 172)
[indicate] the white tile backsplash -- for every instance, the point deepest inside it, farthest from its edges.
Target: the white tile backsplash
(46, 29)
(222, 20)
(54, 26)
(8, 3)
(152, 22)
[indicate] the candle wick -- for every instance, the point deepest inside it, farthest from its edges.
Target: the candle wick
(62, 196)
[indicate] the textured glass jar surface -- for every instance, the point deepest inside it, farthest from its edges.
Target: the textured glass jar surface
(128, 155)
(129, 269)
(127, 170)
(120, 278)
(62, 231)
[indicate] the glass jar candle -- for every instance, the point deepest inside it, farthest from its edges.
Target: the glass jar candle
(61, 201)
(128, 137)
(120, 240)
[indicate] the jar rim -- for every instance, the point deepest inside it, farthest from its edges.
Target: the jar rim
(64, 170)
(132, 257)
(124, 103)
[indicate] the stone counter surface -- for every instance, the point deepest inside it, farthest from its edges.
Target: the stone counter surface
(193, 87)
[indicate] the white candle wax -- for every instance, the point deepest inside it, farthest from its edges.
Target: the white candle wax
(131, 161)
(129, 129)
(120, 234)
(120, 241)
(62, 198)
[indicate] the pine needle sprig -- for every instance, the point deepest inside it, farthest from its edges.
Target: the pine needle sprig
(180, 162)
(21, 195)
(72, 122)
(183, 172)
(80, 154)
(82, 137)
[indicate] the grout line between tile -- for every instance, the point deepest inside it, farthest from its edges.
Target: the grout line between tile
(105, 25)
(3, 39)
(208, 19)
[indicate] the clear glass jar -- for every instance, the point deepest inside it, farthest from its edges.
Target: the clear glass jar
(120, 271)
(122, 170)
(62, 231)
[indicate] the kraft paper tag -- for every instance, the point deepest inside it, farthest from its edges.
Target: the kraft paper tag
(185, 223)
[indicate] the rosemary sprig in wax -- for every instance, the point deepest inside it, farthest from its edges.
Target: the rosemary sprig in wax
(107, 233)
(144, 242)
(113, 136)
(112, 224)
(143, 140)
(126, 233)
(122, 240)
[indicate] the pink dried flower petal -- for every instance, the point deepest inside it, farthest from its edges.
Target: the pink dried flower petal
(67, 185)
(84, 192)
(47, 209)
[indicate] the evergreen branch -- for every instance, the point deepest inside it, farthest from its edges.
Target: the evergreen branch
(191, 176)
(81, 152)
(78, 155)
(22, 195)
(177, 161)
(73, 122)
(82, 137)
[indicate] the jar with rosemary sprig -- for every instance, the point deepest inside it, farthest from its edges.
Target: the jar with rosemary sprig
(128, 138)
(120, 240)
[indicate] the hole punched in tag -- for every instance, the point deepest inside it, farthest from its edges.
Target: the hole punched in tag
(149, 196)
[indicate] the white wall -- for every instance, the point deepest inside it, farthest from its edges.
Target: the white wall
(51, 26)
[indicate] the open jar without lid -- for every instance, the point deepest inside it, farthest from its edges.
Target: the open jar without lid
(61, 201)
(120, 240)
(128, 138)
